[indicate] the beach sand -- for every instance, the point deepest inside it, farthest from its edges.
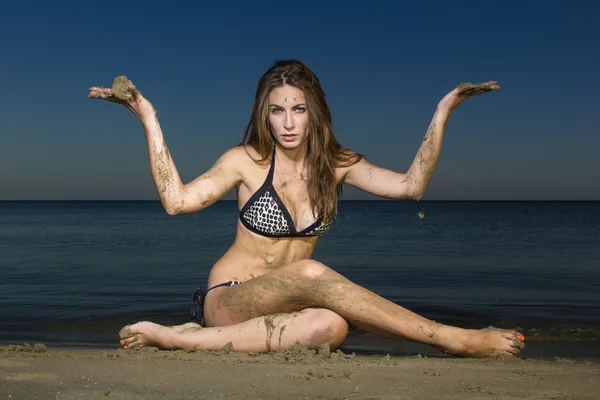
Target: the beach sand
(36, 372)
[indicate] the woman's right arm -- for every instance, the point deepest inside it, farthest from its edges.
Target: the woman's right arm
(177, 197)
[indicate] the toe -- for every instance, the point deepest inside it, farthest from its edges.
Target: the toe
(125, 332)
(517, 342)
(512, 351)
(134, 344)
(129, 341)
(518, 345)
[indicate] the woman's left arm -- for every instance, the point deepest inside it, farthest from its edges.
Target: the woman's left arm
(413, 184)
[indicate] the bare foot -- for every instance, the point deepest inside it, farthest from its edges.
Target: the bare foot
(489, 342)
(463, 92)
(149, 334)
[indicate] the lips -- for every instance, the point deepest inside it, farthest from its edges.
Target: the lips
(289, 138)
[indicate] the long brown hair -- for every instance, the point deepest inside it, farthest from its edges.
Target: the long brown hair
(324, 153)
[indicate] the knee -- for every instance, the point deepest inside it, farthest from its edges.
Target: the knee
(311, 269)
(327, 327)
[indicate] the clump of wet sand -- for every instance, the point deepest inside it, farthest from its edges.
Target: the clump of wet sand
(299, 354)
(26, 347)
(122, 89)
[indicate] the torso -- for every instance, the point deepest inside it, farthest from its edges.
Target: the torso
(252, 254)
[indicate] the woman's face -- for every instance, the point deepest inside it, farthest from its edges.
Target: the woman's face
(288, 116)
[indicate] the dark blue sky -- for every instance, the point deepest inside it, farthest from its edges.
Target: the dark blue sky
(383, 65)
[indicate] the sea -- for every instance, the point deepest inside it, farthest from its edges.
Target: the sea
(72, 273)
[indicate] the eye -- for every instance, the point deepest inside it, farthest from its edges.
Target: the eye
(276, 110)
(300, 109)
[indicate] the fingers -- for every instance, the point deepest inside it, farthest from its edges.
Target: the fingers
(493, 85)
(123, 94)
(104, 94)
(95, 92)
(98, 92)
(473, 89)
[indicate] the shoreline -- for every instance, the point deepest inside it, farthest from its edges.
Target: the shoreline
(66, 373)
(371, 345)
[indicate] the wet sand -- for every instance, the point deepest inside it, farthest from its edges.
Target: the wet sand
(59, 373)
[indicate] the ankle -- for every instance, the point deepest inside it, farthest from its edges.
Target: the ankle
(455, 340)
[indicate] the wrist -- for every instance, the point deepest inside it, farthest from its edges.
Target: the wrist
(145, 111)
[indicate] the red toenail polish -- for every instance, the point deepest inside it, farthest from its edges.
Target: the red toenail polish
(521, 337)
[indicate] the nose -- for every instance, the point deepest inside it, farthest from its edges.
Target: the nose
(289, 124)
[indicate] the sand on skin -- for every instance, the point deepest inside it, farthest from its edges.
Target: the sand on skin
(298, 373)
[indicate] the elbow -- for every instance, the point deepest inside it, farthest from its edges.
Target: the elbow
(418, 197)
(171, 212)
(415, 193)
(411, 196)
(174, 209)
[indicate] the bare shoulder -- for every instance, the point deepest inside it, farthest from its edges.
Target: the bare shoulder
(244, 162)
(236, 156)
(244, 156)
(349, 159)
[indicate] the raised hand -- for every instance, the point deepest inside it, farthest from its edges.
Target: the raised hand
(463, 92)
(124, 92)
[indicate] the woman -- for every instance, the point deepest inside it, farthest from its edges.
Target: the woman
(266, 293)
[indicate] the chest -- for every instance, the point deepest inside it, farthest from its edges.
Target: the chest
(287, 193)
(293, 193)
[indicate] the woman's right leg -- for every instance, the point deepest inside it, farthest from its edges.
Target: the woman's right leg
(309, 283)
(312, 327)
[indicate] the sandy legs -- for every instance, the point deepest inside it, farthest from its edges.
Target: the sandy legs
(311, 327)
(246, 315)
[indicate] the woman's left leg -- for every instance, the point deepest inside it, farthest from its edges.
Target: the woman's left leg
(312, 327)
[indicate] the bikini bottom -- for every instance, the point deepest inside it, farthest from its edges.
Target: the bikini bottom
(197, 311)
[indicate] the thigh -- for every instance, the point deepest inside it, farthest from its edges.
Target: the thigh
(312, 327)
(284, 290)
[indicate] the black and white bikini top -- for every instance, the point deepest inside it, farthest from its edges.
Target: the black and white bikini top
(266, 215)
